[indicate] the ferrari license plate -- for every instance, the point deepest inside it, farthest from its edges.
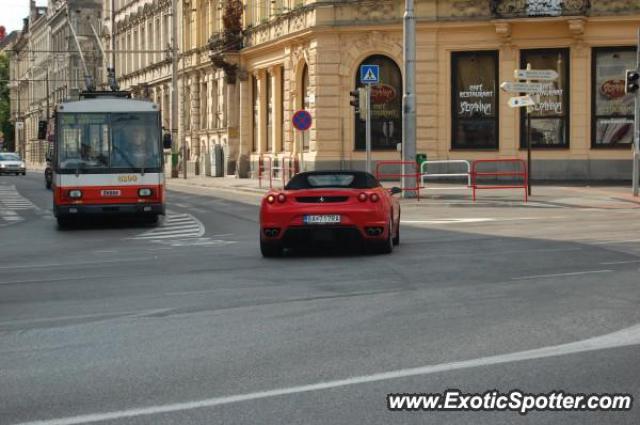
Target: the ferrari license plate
(322, 219)
(110, 193)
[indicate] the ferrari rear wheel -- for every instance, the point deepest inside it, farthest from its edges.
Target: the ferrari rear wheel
(270, 250)
(396, 238)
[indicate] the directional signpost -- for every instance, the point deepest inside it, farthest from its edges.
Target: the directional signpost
(520, 101)
(536, 74)
(517, 87)
(528, 101)
(369, 74)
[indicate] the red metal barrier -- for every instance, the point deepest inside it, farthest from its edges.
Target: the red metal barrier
(415, 174)
(289, 168)
(524, 173)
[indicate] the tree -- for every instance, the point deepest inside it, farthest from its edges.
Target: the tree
(6, 127)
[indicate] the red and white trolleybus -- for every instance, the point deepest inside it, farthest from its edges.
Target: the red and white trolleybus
(108, 158)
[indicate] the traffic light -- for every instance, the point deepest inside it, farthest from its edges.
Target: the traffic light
(359, 101)
(42, 130)
(632, 81)
(355, 98)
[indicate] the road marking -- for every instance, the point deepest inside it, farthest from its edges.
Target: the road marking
(542, 276)
(611, 263)
(175, 226)
(81, 263)
(623, 338)
(12, 200)
(448, 221)
(475, 220)
(196, 242)
(104, 316)
(615, 242)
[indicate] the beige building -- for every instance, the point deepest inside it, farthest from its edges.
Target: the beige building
(143, 65)
(308, 56)
(46, 66)
(38, 83)
(19, 93)
(247, 65)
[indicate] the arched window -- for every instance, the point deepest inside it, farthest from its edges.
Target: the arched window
(386, 107)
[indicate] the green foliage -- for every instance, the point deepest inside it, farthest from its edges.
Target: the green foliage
(6, 127)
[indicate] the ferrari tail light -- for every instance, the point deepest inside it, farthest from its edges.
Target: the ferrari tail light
(374, 197)
(282, 198)
(362, 197)
(271, 199)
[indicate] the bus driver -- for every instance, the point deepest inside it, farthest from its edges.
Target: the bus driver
(130, 149)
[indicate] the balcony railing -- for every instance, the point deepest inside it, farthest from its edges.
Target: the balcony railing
(539, 8)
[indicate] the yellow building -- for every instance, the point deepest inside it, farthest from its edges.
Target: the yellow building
(306, 54)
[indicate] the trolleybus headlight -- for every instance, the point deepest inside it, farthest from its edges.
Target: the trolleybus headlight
(76, 194)
(144, 192)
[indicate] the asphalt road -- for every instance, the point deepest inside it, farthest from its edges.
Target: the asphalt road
(185, 323)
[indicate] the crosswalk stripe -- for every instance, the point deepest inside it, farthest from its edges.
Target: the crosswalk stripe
(174, 226)
(10, 202)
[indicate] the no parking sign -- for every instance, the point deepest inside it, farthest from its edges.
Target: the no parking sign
(302, 120)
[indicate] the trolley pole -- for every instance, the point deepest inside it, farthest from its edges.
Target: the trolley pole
(409, 98)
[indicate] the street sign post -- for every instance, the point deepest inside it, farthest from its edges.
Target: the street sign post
(301, 121)
(369, 74)
(528, 101)
(520, 101)
(635, 176)
(536, 74)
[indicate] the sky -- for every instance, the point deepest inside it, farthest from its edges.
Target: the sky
(13, 11)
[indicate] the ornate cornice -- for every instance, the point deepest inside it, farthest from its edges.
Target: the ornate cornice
(539, 8)
(141, 14)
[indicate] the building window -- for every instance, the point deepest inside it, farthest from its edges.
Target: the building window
(281, 123)
(270, 94)
(306, 103)
(256, 113)
(550, 116)
(474, 111)
(386, 107)
(611, 110)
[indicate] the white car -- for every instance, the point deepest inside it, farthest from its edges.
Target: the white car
(11, 163)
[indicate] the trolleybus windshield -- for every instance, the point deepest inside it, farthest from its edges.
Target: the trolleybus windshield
(117, 142)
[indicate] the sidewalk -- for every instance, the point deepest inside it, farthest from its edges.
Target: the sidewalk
(560, 196)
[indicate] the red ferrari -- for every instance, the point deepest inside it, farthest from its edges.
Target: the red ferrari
(330, 207)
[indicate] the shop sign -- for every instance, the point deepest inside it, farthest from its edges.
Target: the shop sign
(613, 89)
(382, 93)
(476, 100)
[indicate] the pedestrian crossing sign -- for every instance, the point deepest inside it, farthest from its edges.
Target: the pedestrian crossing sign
(370, 74)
